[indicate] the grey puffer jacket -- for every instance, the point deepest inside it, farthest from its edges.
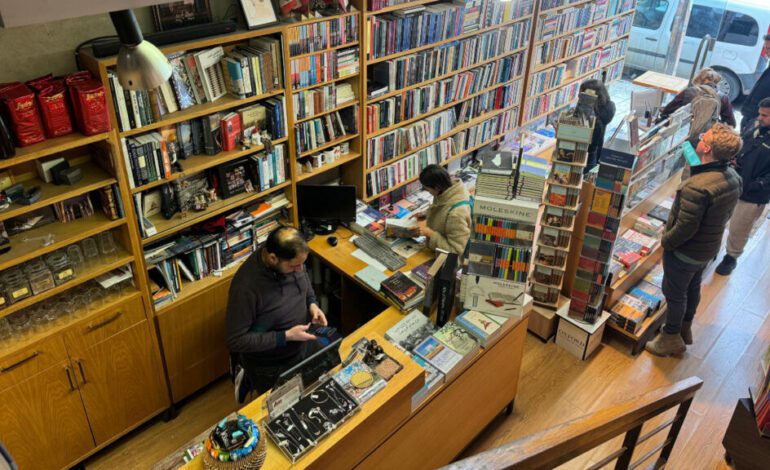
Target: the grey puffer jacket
(701, 210)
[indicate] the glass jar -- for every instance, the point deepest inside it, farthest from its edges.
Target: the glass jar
(61, 267)
(16, 285)
(39, 276)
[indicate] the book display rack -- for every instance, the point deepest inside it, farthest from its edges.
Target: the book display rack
(561, 206)
(574, 42)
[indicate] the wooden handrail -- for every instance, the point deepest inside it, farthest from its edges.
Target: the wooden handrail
(561, 443)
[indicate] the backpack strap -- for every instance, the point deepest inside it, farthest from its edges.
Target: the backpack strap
(456, 205)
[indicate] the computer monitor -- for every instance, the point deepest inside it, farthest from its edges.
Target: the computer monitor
(312, 367)
(330, 205)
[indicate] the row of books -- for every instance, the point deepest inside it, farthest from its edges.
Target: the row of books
(480, 14)
(500, 98)
(549, 4)
(548, 276)
(151, 157)
(406, 29)
(191, 258)
(319, 100)
(543, 104)
(315, 37)
(581, 40)
(319, 131)
(641, 301)
(324, 67)
(409, 168)
(414, 102)
(564, 21)
(397, 142)
(614, 51)
(200, 77)
(394, 74)
(530, 183)
(609, 8)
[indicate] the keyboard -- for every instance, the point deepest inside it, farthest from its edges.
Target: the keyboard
(377, 248)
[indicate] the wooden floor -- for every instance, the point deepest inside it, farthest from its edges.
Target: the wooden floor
(731, 329)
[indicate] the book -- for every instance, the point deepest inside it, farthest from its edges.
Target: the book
(400, 288)
(439, 355)
(483, 327)
(433, 379)
(497, 163)
(402, 227)
(231, 131)
(360, 381)
(410, 330)
(456, 337)
(371, 277)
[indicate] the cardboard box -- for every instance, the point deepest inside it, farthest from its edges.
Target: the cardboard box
(543, 320)
(579, 338)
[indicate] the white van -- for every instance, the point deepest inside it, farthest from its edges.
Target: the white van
(739, 27)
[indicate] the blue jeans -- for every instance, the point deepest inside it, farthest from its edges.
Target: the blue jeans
(681, 286)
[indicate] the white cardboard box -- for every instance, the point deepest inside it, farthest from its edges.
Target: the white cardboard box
(580, 338)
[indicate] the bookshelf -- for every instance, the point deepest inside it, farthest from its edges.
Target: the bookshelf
(573, 42)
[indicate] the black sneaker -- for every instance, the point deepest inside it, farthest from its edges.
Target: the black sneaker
(727, 265)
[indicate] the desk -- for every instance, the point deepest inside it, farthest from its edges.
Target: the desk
(341, 259)
(662, 82)
(382, 436)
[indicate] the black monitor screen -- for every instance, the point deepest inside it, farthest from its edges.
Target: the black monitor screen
(327, 203)
(311, 368)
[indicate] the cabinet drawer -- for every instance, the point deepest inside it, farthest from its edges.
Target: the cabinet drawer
(107, 323)
(31, 360)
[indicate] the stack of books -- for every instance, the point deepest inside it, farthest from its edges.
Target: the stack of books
(641, 301)
(401, 289)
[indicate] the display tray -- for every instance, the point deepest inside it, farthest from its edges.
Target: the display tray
(313, 417)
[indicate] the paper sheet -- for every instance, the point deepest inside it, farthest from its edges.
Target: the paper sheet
(361, 254)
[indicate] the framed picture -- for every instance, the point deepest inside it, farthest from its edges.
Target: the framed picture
(234, 178)
(174, 15)
(258, 13)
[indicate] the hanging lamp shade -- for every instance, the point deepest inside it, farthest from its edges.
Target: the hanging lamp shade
(141, 65)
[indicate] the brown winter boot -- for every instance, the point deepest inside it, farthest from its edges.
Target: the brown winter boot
(666, 345)
(686, 332)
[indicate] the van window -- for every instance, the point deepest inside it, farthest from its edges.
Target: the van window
(650, 13)
(740, 29)
(704, 20)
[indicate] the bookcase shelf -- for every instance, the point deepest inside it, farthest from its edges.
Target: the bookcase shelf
(396, 55)
(178, 223)
(194, 288)
(197, 163)
(328, 49)
(665, 187)
(443, 107)
(321, 19)
(393, 93)
(327, 145)
(64, 234)
(547, 113)
(327, 82)
(199, 110)
(93, 179)
(324, 113)
(88, 273)
(577, 55)
(455, 130)
(328, 166)
(51, 147)
(400, 6)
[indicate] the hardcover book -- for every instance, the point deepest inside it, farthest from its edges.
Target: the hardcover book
(439, 355)
(485, 329)
(410, 331)
(401, 289)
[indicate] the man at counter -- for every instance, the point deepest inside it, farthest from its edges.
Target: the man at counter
(270, 306)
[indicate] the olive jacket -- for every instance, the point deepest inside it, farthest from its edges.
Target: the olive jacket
(450, 219)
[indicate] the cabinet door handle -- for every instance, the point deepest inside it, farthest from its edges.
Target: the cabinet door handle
(96, 326)
(82, 374)
(18, 363)
(69, 378)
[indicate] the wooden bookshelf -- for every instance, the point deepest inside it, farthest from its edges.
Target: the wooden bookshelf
(400, 6)
(197, 163)
(576, 55)
(179, 222)
(324, 113)
(93, 179)
(330, 144)
(51, 147)
(564, 7)
(592, 25)
(327, 82)
(328, 49)
(352, 156)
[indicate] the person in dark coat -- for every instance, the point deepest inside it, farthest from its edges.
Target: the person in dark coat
(761, 90)
(604, 111)
(693, 234)
(753, 164)
(705, 77)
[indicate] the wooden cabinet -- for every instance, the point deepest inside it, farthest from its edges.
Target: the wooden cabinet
(120, 382)
(192, 335)
(42, 420)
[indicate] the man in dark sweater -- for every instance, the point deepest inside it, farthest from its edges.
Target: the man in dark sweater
(693, 234)
(761, 90)
(269, 309)
(753, 164)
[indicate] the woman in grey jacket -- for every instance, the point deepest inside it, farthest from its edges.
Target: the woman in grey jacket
(448, 224)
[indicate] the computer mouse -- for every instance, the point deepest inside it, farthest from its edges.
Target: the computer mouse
(332, 240)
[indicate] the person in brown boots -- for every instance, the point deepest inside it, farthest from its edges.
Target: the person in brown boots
(693, 234)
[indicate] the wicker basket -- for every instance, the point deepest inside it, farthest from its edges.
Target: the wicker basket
(253, 461)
